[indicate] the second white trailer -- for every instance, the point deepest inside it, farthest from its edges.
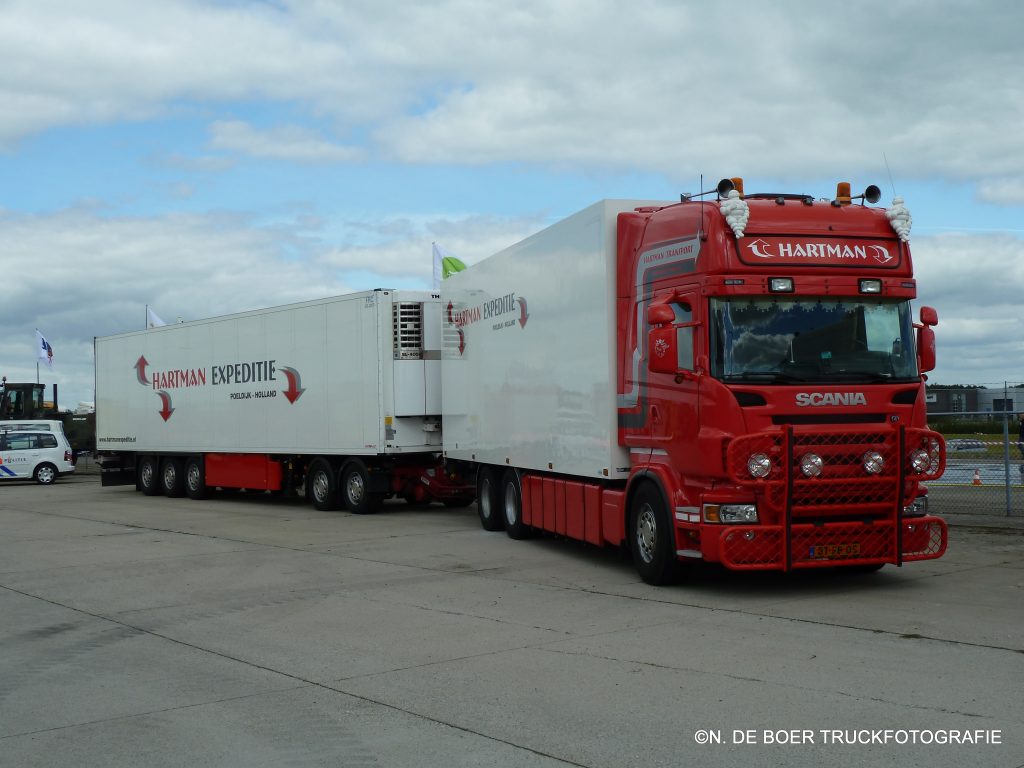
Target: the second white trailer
(340, 396)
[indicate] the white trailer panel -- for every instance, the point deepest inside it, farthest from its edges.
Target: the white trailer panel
(333, 376)
(529, 371)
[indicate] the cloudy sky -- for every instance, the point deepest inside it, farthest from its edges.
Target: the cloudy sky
(210, 156)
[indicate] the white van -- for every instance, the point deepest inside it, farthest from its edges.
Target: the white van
(36, 450)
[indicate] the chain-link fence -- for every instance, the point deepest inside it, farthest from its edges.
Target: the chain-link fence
(984, 464)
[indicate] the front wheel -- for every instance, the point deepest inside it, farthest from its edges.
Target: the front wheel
(652, 538)
(45, 474)
(149, 476)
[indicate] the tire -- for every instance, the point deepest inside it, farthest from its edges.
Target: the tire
(195, 478)
(487, 500)
(512, 506)
(172, 477)
(651, 537)
(149, 476)
(355, 490)
(322, 486)
(45, 474)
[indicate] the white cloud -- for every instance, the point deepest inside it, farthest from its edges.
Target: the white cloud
(1002, 191)
(97, 274)
(281, 143)
(671, 87)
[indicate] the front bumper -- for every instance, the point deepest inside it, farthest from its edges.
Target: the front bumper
(770, 547)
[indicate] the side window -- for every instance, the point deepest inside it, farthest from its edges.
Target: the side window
(20, 442)
(47, 441)
(684, 334)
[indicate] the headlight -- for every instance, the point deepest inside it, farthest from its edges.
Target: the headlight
(920, 460)
(873, 462)
(759, 465)
(811, 464)
(730, 513)
(917, 508)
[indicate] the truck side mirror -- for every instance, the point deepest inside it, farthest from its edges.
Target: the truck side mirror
(929, 316)
(925, 347)
(662, 353)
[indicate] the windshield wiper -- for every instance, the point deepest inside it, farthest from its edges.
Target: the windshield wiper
(775, 377)
(870, 377)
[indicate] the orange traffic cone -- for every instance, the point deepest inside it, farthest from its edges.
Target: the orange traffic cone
(977, 477)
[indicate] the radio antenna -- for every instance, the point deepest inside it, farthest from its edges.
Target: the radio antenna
(889, 171)
(700, 219)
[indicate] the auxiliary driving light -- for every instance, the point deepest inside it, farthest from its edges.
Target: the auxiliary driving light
(870, 285)
(811, 464)
(920, 460)
(780, 284)
(759, 465)
(873, 462)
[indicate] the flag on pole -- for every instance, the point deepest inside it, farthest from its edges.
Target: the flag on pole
(152, 321)
(44, 351)
(445, 265)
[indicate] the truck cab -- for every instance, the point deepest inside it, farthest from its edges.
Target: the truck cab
(771, 383)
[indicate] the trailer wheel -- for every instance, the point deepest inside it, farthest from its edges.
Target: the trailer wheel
(355, 490)
(651, 537)
(195, 478)
(172, 477)
(322, 486)
(149, 475)
(512, 506)
(487, 500)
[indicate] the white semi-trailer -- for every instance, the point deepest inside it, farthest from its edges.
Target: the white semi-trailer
(339, 397)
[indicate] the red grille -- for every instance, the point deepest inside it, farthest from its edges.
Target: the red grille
(844, 485)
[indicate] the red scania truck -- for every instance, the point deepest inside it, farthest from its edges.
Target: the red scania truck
(737, 381)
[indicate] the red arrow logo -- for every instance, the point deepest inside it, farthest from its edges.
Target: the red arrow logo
(462, 341)
(166, 411)
(295, 390)
(451, 319)
(140, 369)
(523, 316)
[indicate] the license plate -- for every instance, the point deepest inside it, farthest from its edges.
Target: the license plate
(833, 551)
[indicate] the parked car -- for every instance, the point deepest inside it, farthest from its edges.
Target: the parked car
(40, 452)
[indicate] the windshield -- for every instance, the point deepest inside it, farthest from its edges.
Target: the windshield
(813, 338)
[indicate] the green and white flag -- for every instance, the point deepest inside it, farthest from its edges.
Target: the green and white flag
(445, 265)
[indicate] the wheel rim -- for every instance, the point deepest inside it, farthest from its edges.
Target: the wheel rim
(45, 475)
(193, 477)
(354, 488)
(646, 533)
(321, 486)
(511, 505)
(147, 474)
(169, 476)
(485, 498)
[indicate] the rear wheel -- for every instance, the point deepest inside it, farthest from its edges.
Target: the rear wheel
(322, 486)
(512, 506)
(651, 537)
(149, 476)
(172, 476)
(355, 490)
(195, 478)
(487, 500)
(45, 474)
